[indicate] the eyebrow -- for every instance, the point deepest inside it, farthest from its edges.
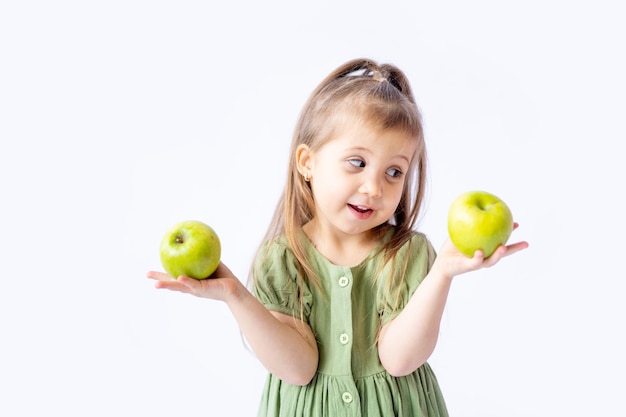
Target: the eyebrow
(361, 148)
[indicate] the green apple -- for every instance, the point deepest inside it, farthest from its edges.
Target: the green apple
(479, 220)
(190, 248)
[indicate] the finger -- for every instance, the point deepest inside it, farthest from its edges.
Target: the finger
(160, 285)
(504, 251)
(516, 247)
(500, 252)
(188, 282)
(159, 276)
(172, 285)
(477, 260)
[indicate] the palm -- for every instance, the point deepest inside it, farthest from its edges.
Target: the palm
(452, 262)
(220, 286)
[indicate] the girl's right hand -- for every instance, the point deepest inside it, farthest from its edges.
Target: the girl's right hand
(450, 262)
(223, 285)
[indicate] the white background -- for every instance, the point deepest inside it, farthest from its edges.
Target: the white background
(120, 118)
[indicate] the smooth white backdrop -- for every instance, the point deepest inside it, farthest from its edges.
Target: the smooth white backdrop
(120, 118)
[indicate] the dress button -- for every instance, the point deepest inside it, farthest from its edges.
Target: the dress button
(343, 282)
(346, 397)
(344, 339)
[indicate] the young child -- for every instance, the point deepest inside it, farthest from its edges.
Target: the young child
(347, 297)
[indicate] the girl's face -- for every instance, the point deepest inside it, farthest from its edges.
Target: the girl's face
(357, 178)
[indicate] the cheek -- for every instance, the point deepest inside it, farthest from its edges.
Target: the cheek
(331, 181)
(324, 190)
(395, 194)
(331, 190)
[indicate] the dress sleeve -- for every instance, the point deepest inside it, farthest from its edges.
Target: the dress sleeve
(417, 256)
(278, 283)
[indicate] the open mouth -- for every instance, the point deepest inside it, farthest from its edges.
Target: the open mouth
(361, 211)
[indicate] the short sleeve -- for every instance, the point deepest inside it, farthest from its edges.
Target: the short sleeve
(277, 281)
(401, 279)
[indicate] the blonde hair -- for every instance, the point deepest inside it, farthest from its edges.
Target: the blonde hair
(379, 96)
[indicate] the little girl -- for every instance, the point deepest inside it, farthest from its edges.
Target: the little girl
(347, 297)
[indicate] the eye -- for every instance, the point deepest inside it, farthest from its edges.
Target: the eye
(359, 163)
(394, 172)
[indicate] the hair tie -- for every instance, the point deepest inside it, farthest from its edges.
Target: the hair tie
(378, 76)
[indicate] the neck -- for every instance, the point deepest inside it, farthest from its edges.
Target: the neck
(342, 249)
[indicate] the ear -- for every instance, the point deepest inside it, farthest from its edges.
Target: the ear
(304, 160)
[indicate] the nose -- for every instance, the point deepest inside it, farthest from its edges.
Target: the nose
(371, 186)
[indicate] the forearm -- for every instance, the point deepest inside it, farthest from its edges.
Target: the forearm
(286, 348)
(408, 340)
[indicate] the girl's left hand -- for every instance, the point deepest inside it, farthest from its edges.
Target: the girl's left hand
(451, 262)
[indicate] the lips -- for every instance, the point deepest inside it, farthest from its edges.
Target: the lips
(361, 212)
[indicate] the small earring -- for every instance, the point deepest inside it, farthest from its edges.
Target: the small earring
(307, 177)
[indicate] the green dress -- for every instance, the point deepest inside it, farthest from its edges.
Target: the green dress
(345, 318)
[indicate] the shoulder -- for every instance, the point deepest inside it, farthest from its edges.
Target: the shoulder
(274, 252)
(420, 241)
(414, 257)
(277, 279)
(403, 273)
(417, 244)
(275, 244)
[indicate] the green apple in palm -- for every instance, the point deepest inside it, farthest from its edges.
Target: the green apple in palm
(479, 220)
(190, 248)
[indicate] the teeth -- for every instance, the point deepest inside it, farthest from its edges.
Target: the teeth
(361, 208)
